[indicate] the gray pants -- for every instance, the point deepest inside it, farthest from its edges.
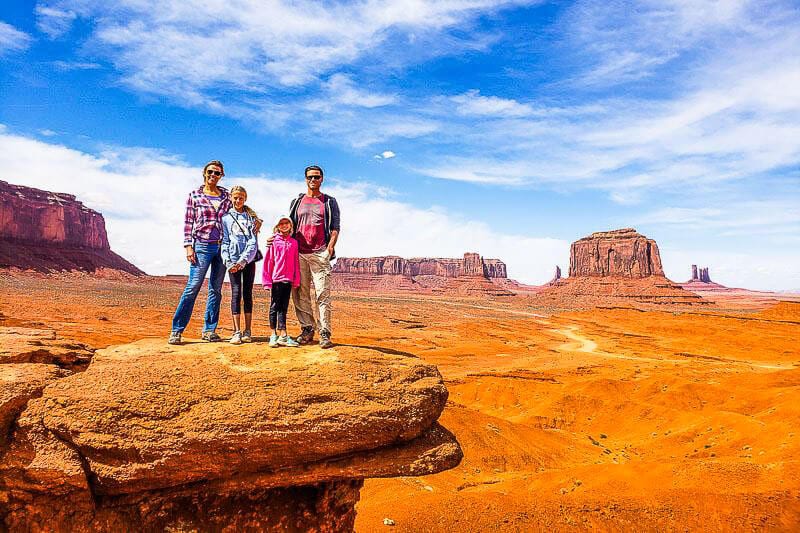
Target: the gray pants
(314, 267)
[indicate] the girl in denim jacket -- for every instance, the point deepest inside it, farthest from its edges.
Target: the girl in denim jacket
(239, 247)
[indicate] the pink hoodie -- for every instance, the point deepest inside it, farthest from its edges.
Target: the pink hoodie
(282, 262)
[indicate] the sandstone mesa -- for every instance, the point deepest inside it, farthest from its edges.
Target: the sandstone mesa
(471, 275)
(613, 267)
(50, 232)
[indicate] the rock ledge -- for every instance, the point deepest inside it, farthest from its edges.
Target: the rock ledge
(150, 436)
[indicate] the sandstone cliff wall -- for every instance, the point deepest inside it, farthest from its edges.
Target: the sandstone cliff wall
(617, 267)
(472, 265)
(617, 253)
(47, 231)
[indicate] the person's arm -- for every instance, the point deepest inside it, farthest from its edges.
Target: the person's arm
(188, 226)
(335, 226)
(332, 243)
(250, 250)
(269, 264)
(296, 256)
(226, 241)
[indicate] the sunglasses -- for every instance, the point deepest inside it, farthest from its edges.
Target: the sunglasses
(213, 172)
(311, 178)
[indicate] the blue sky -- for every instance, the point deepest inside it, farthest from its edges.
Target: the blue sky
(507, 128)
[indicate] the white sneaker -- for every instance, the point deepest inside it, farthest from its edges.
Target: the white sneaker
(246, 337)
(237, 338)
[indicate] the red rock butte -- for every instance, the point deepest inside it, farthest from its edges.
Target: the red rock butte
(617, 265)
(471, 275)
(47, 231)
(472, 265)
(621, 252)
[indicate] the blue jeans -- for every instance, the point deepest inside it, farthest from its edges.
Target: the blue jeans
(208, 256)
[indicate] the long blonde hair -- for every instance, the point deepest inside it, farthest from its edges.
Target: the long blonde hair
(250, 211)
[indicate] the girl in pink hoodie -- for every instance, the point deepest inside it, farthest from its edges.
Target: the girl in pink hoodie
(281, 274)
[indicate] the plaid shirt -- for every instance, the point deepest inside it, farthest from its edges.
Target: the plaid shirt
(201, 217)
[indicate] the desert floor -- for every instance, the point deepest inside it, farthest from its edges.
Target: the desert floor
(613, 418)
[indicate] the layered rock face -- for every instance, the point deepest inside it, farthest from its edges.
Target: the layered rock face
(471, 275)
(619, 266)
(620, 253)
(212, 437)
(48, 231)
(472, 265)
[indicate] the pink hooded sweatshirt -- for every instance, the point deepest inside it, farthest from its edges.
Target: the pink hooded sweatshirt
(282, 262)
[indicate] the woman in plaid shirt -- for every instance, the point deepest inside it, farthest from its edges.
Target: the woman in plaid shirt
(202, 233)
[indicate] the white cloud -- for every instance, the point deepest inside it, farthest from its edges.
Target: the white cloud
(12, 39)
(485, 172)
(774, 216)
(174, 46)
(386, 154)
(621, 41)
(472, 103)
(76, 65)
(342, 90)
(147, 228)
(725, 119)
(48, 133)
(53, 21)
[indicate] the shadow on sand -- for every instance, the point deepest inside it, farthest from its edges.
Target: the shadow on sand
(388, 351)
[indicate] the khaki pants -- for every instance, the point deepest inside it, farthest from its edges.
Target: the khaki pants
(314, 267)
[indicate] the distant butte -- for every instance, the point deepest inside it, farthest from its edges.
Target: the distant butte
(50, 232)
(701, 283)
(701, 275)
(470, 275)
(613, 266)
(621, 252)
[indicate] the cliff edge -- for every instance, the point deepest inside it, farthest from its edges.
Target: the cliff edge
(211, 436)
(47, 231)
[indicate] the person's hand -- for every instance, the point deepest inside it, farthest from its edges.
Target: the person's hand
(190, 255)
(270, 239)
(330, 251)
(235, 268)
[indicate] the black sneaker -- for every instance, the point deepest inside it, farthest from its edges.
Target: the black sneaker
(325, 339)
(174, 338)
(211, 336)
(306, 335)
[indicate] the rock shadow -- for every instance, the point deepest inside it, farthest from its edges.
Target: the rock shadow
(388, 351)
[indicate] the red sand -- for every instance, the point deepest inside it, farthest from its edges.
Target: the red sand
(681, 418)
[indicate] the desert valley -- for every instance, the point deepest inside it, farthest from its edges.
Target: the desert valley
(613, 398)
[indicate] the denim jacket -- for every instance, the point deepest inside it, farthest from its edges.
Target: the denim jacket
(239, 244)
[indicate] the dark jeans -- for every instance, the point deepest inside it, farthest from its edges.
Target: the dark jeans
(281, 292)
(208, 258)
(242, 288)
